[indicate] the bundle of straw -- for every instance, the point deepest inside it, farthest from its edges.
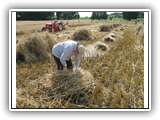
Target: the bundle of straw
(121, 28)
(82, 34)
(95, 50)
(101, 46)
(114, 25)
(91, 52)
(70, 85)
(104, 28)
(108, 38)
(34, 48)
(111, 26)
(118, 25)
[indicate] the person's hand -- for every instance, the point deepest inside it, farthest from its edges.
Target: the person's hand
(65, 65)
(77, 71)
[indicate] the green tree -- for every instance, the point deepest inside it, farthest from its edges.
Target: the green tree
(58, 14)
(34, 15)
(69, 15)
(110, 18)
(104, 15)
(78, 16)
(130, 15)
(119, 16)
(99, 15)
(93, 16)
(142, 15)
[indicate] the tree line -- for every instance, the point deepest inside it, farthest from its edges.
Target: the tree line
(71, 15)
(46, 15)
(125, 15)
(99, 15)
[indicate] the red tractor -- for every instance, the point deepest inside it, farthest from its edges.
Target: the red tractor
(49, 26)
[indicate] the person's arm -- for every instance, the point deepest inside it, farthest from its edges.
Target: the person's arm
(77, 59)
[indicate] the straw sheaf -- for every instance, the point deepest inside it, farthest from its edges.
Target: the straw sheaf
(95, 50)
(101, 46)
(111, 27)
(34, 48)
(82, 34)
(70, 85)
(91, 52)
(114, 25)
(121, 28)
(108, 38)
(104, 28)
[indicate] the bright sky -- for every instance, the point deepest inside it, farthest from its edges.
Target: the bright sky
(84, 14)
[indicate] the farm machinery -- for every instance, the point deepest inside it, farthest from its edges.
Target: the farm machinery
(49, 26)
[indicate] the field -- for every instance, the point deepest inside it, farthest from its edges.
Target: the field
(111, 72)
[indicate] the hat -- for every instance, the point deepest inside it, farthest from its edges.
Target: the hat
(81, 50)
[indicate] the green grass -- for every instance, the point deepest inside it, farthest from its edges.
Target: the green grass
(140, 19)
(83, 18)
(114, 19)
(88, 19)
(110, 21)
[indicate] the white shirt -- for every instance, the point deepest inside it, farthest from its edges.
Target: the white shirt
(65, 50)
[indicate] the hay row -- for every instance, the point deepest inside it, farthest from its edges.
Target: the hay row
(95, 50)
(140, 33)
(106, 28)
(122, 28)
(79, 24)
(112, 37)
(21, 32)
(85, 34)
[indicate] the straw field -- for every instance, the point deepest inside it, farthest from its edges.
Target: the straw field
(111, 72)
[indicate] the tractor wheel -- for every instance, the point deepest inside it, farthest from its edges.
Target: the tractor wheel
(50, 30)
(60, 26)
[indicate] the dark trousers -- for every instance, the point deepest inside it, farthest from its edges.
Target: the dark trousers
(60, 66)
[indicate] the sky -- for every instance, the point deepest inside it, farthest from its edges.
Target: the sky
(84, 14)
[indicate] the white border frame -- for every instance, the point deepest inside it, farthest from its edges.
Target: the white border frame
(12, 67)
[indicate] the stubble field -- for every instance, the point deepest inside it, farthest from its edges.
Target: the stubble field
(111, 72)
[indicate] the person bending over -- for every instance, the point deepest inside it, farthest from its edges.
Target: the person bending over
(62, 53)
